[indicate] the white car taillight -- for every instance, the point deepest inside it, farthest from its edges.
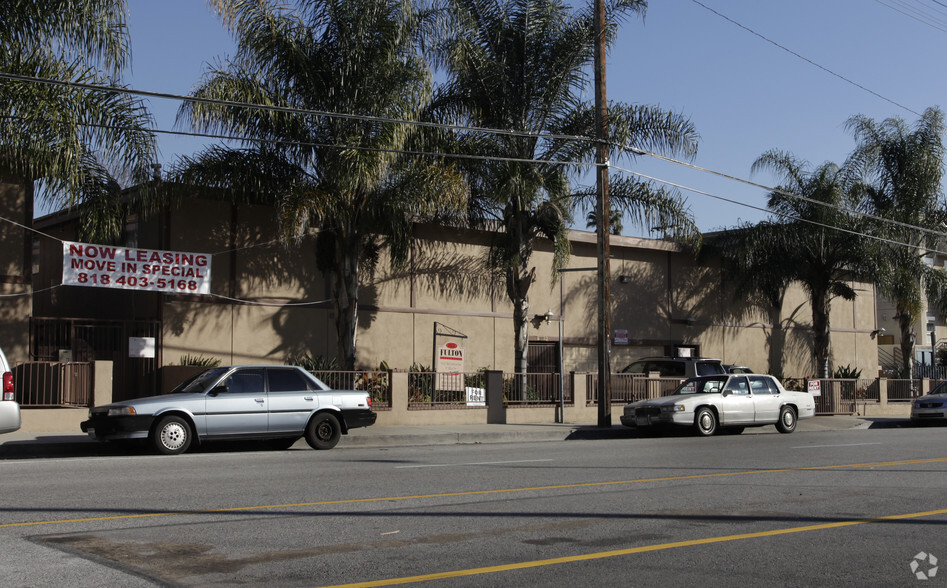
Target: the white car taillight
(8, 386)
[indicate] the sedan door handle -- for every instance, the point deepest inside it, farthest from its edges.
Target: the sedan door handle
(309, 398)
(260, 400)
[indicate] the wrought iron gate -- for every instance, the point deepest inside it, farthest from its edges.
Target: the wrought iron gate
(87, 340)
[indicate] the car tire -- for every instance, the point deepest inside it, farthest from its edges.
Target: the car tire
(787, 420)
(705, 422)
(323, 431)
(171, 436)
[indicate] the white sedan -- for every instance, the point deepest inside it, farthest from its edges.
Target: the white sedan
(725, 402)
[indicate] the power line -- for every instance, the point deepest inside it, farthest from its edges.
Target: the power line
(918, 15)
(806, 59)
(291, 110)
(776, 213)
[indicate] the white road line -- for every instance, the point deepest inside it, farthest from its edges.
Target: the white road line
(840, 445)
(450, 465)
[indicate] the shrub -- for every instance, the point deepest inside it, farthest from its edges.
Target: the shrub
(199, 361)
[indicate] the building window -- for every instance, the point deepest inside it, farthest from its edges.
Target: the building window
(131, 231)
(35, 256)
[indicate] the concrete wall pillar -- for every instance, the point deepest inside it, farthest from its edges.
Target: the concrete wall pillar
(102, 378)
(399, 396)
(496, 409)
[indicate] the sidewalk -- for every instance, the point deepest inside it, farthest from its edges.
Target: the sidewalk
(20, 445)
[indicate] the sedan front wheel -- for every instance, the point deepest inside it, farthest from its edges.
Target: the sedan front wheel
(171, 436)
(705, 422)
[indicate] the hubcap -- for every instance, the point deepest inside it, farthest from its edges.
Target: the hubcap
(325, 431)
(173, 436)
(706, 422)
(788, 418)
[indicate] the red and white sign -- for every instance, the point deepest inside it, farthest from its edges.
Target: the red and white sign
(449, 365)
(104, 266)
(815, 387)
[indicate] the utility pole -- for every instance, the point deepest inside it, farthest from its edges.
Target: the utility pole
(604, 220)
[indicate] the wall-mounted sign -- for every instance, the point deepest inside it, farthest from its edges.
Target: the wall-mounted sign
(104, 266)
(621, 337)
(141, 347)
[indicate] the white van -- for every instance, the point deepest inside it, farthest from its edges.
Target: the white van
(9, 409)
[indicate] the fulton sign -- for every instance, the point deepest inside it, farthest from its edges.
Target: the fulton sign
(125, 268)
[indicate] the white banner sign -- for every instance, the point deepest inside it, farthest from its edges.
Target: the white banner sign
(104, 266)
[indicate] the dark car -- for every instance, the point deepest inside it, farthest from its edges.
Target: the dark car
(275, 403)
(675, 367)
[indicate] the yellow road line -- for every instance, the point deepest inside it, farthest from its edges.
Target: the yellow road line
(474, 492)
(630, 551)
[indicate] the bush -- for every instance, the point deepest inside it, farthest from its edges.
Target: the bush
(847, 373)
(314, 364)
(199, 361)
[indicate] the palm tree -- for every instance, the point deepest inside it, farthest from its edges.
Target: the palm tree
(614, 222)
(757, 277)
(904, 168)
(344, 173)
(813, 239)
(521, 66)
(79, 144)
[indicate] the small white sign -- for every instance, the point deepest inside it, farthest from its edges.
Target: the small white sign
(621, 337)
(141, 347)
(815, 387)
(476, 396)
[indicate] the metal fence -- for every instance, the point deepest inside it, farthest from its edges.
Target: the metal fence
(627, 388)
(53, 384)
(903, 390)
(432, 390)
(530, 389)
(376, 383)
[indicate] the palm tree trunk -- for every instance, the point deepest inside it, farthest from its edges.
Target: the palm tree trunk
(906, 325)
(345, 298)
(821, 306)
(776, 342)
(517, 287)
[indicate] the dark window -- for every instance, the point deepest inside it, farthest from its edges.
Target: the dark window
(709, 368)
(668, 369)
(245, 381)
(288, 380)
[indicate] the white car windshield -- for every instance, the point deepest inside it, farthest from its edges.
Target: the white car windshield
(200, 382)
(702, 386)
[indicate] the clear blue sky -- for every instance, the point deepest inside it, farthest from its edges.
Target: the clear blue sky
(744, 94)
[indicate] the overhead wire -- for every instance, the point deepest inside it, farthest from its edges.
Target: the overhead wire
(919, 15)
(456, 127)
(806, 59)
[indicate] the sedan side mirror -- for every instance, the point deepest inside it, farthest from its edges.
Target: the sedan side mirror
(726, 392)
(218, 390)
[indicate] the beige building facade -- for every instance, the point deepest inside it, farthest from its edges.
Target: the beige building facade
(268, 302)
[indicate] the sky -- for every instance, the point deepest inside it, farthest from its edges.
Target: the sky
(790, 82)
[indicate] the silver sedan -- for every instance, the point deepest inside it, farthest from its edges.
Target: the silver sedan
(931, 407)
(276, 403)
(726, 402)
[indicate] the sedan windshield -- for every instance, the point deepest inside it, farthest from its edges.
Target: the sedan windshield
(709, 385)
(200, 382)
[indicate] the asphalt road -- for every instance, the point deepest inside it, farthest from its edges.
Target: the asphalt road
(853, 507)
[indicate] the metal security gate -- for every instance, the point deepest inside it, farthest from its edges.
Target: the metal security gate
(88, 340)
